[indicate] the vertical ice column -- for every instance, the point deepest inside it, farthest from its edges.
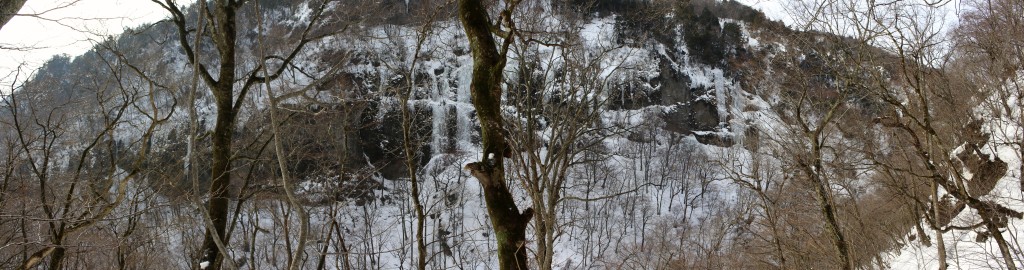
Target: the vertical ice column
(439, 114)
(720, 96)
(464, 104)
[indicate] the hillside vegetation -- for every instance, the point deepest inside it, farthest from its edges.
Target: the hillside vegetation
(547, 134)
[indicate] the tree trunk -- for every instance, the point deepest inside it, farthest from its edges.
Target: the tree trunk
(410, 148)
(827, 207)
(488, 64)
(57, 258)
(541, 232)
(1004, 249)
(36, 258)
(223, 92)
(509, 225)
(8, 8)
(223, 34)
(940, 245)
(411, 168)
(219, 196)
(832, 224)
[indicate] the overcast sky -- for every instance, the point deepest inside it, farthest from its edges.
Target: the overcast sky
(773, 9)
(66, 27)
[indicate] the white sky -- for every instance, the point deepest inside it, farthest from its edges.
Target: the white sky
(70, 30)
(773, 9)
(777, 10)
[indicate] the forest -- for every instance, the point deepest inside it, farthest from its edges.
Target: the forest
(523, 134)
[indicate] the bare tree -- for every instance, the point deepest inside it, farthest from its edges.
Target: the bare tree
(990, 41)
(762, 176)
(557, 124)
(223, 29)
(929, 105)
(488, 72)
(412, 141)
(81, 192)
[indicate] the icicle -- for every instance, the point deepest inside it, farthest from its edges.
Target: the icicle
(720, 96)
(439, 108)
(464, 103)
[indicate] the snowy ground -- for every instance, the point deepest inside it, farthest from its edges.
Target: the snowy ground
(962, 251)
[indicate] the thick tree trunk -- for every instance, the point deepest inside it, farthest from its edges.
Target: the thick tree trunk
(832, 225)
(219, 196)
(541, 233)
(940, 246)
(940, 249)
(1004, 249)
(57, 259)
(223, 92)
(828, 211)
(544, 230)
(223, 34)
(8, 8)
(509, 224)
(36, 258)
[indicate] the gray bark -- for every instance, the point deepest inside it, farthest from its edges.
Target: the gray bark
(9, 8)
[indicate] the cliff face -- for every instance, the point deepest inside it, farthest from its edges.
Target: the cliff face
(689, 60)
(668, 98)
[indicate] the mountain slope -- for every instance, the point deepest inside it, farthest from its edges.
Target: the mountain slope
(649, 135)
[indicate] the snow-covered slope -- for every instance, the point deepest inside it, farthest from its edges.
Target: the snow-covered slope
(690, 154)
(973, 249)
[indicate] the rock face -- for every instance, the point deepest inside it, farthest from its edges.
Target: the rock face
(682, 64)
(684, 70)
(692, 110)
(679, 87)
(985, 169)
